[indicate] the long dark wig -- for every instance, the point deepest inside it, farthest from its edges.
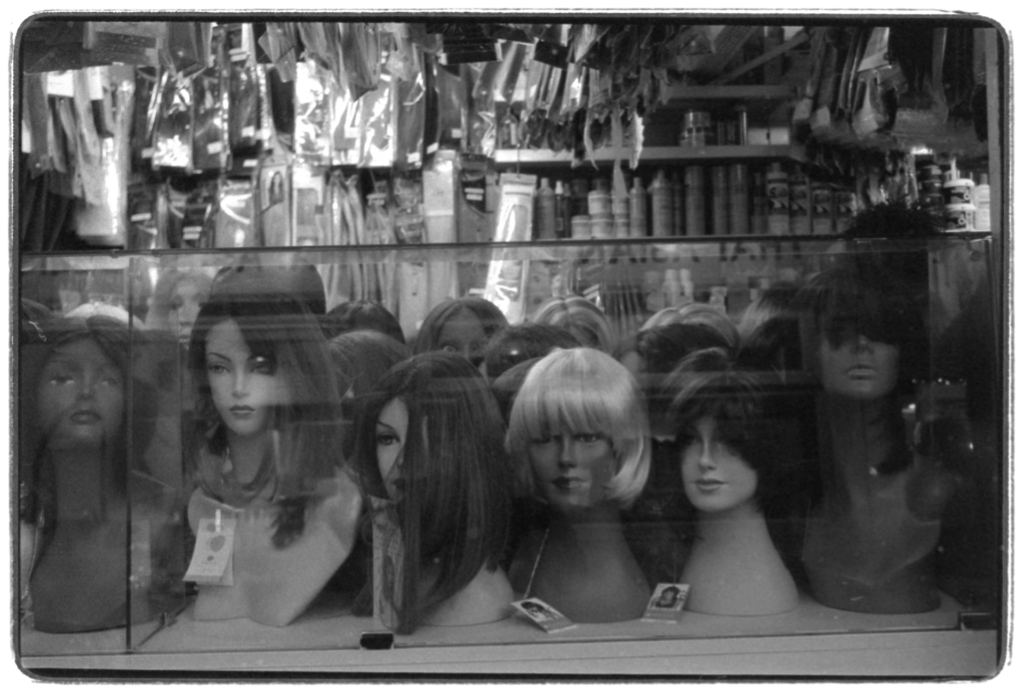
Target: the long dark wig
(454, 482)
(281, 329)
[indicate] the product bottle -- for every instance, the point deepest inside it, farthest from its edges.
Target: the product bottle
(983, 205)
(545, 211)
(799, 205)
(672, 287)
(678, 221)
(694, 194)
(739, 200)
(777, 187)
(638, 209)
(720, 200)
(561, 208)
(661, 206)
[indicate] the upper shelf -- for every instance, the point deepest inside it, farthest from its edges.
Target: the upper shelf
(607, 155)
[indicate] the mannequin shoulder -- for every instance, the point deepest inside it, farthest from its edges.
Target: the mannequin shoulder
(342, 504)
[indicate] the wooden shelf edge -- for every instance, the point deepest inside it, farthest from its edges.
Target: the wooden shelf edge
(607, 155)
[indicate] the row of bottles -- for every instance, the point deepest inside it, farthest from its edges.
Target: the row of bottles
(695, 200)
(953, 195)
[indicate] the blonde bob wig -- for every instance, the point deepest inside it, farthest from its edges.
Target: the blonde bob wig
(583, 390)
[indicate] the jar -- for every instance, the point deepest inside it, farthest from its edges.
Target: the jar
(696, 130)
(581, 226)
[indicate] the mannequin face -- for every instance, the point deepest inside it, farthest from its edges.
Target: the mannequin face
(185, 308)
(392, 429)
(715, 478)
(463, 334)
(859, 368)
(81, 397)
(573, 469)
(245, 387)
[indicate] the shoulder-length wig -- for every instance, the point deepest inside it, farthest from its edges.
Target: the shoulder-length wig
(490, 316)
(583, 390)
(753, 423)
(582, 318)
(455, 479)
(281, 329)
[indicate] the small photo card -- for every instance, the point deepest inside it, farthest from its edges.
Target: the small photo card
(543, 615)
(666, 604)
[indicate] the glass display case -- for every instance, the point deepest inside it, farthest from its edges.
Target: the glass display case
(798, 411)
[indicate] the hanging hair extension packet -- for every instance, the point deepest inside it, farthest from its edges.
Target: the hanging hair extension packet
(172, 139)
(507, 275)
(274, 204)
(309, 193)
(312, 113)
(233, 222)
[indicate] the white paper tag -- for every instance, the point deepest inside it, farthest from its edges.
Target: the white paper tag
(211, 560)
(60, 84)
(666, 604)
(543, 615)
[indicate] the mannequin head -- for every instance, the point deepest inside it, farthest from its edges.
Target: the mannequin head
(360, 314)
(696, 313)
(430, 440)
(582, 318)
(462, 326)
(176, 300)
(514, 344)
(578, 432)
(75, 375)
(770, 331)
(260, 370)
(76, 395)
(360, 359)
(725, 433)
(862, 332)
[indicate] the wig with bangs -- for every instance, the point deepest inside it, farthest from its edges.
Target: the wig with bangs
(860, 296)
(454, 482)
(584, 390)
(762, 427)
(280, 328)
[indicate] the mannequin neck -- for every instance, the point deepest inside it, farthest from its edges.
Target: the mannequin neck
(589, 527)
(84, 482)
(734, 568)
(247, 453)
(861, 432)
(731, 525)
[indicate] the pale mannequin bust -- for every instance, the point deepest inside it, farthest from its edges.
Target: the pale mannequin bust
(488, 595)
(734, 568)
(273, 585)
(486, 599)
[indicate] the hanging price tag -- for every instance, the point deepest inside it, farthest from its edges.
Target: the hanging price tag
(211, 560)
